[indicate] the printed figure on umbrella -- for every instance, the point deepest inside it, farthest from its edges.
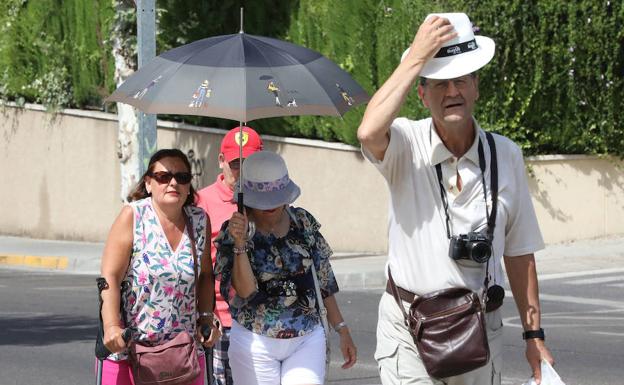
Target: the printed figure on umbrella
(345, 95)
(142, 93)
(274, 89)
(202, 93)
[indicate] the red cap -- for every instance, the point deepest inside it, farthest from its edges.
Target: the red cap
(251, 143)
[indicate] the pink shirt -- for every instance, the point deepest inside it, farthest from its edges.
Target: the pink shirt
(216, 200)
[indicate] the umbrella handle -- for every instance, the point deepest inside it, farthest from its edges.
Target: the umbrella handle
(241, 205)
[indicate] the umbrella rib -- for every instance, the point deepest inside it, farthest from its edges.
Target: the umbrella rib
(177, 67)
(253, 42)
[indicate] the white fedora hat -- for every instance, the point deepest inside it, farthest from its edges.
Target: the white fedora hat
(460, 56)
(266, 183)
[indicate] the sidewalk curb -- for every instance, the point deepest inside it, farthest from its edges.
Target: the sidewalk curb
(35, 261)
(353, 270)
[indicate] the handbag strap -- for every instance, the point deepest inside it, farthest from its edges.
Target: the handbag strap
(317, 287)
(190, 231)
(319, 300)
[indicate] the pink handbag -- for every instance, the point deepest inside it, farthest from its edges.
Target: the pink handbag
(173, 363)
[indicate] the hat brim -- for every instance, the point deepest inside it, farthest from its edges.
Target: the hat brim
(451, 67)
(232, 155)
(266, 200)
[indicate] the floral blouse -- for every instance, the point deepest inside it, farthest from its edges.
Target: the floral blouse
(159, 302)
(289, 314)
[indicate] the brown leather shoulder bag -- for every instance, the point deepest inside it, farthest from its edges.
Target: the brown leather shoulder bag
(448, 328)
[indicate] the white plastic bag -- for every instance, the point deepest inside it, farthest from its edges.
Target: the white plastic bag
(549, 376)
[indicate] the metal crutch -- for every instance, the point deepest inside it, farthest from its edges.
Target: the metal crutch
(101, 352)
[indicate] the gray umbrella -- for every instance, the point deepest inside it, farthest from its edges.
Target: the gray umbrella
(241, 77)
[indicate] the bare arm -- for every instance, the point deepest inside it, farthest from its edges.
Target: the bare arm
(206, 278)
(334, 317)
(115, 262)
(522, 276)
(373, 132)
(243, 279)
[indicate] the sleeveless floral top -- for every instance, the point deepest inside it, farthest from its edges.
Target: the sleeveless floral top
(160, 300)
(289, 314)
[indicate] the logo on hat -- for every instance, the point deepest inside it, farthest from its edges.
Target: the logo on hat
(237, 138)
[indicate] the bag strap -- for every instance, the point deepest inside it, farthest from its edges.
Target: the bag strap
(319, 300)
(317, 288)
(190, 231)
(397, 298)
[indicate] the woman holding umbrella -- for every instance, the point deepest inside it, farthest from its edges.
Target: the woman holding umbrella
(157, 249)
(277, 336)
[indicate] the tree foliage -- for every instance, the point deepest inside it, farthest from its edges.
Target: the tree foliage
(55, 51)
(555, 84)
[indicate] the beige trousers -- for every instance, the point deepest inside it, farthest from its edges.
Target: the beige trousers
(400, 364)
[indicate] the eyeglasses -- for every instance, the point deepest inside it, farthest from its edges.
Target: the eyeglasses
(235, 164)
(163, 177)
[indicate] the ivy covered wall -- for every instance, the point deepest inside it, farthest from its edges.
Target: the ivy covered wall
(555, 84)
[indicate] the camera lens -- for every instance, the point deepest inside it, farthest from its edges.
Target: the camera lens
(480, 252)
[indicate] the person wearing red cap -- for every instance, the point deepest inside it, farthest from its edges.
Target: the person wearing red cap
(217, 201)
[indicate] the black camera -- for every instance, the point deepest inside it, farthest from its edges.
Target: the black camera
(474, 246)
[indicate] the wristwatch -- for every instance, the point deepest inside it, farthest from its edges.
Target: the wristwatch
(339, 326)
(528, 334)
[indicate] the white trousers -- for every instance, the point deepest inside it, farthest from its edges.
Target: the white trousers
(260, 360)
(399, 361)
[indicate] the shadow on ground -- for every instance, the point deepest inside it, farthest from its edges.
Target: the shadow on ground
(46, 330)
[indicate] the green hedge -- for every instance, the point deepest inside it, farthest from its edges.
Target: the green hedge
(55, 52)
(555, 84)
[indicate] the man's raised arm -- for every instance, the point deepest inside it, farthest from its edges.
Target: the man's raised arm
(373, 132)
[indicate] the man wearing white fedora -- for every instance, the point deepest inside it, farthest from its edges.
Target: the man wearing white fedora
(460, 207)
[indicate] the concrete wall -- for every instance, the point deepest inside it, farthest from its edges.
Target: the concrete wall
(577, 197)
(61, 176)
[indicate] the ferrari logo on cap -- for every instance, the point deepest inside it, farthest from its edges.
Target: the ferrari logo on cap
(245, 138)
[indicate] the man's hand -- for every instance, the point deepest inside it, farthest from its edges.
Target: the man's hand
(535, 351)
(431, 35)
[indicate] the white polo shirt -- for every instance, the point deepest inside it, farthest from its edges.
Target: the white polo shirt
(418, 253)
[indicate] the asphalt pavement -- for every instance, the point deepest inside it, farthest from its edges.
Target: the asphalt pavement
(353, 270)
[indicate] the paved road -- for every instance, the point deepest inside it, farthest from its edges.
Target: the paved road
(48, 321)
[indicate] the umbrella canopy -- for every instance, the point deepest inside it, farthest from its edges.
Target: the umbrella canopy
(241, 77)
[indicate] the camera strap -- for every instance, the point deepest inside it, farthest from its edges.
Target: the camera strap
(491, 216)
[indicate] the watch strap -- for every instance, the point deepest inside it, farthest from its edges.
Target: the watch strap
(529, 334)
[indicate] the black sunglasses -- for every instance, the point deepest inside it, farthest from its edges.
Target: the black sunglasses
(163, 177)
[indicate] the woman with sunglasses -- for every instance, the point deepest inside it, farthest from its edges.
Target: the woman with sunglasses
(277, 334)
(149, 252)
